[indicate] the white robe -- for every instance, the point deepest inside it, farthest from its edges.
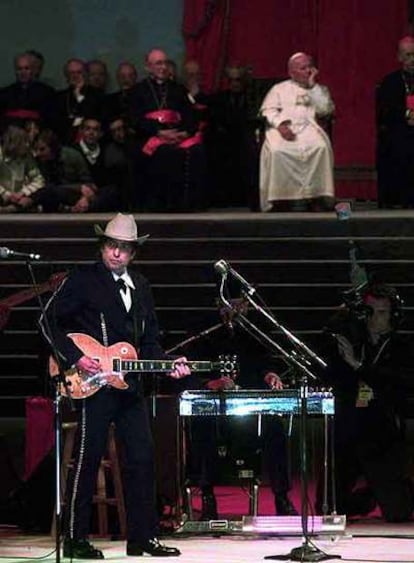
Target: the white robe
(303, 168)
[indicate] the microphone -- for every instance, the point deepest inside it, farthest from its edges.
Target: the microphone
(223, 268)
(8, 253)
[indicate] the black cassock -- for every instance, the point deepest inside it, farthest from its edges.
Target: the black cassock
(395, 141)
(174, 177)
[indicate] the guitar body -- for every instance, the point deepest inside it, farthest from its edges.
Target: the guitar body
(117, 359)
(83, 385)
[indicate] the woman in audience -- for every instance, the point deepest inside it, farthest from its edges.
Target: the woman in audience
(21, 182)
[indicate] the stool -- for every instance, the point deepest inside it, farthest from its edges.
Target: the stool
(108, 463)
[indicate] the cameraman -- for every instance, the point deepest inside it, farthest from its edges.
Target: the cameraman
(371, 368)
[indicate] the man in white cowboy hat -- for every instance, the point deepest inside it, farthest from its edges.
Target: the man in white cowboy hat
(111, 303)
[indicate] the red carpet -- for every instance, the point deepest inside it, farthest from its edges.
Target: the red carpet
(234, 500)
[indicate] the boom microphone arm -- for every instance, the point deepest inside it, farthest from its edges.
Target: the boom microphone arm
(301, 356)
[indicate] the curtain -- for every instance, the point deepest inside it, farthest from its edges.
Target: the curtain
(205, 29)
(354, 43)
(263, 34)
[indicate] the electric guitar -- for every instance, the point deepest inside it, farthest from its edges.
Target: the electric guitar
(116, 361)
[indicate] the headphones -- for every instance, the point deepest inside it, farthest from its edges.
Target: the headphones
(383, 291)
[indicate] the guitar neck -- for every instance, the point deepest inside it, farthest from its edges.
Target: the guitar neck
(26, 294)
(162, 366)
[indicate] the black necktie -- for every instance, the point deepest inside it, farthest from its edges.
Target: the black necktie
(121, 285)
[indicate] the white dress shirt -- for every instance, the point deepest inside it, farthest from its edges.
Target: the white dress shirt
(129, 286)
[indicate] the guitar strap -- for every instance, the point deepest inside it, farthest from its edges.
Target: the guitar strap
(135, 318)
(135, 311)
(104, 330)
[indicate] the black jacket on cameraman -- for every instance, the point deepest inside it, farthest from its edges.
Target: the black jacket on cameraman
(369, 429)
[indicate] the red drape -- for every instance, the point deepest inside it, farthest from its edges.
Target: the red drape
(39, 431)
(354, 43)
(263, 34)
(357, 46)
(205, 30)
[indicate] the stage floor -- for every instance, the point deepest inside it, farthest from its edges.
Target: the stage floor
(368, 541)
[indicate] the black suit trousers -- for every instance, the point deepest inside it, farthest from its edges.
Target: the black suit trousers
(129, 413)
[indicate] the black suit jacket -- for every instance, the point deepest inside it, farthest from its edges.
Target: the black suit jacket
(391, 108)
(89, 298)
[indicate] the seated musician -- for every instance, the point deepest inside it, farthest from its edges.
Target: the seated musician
(214, 437)
(371, 370)
(272, 443)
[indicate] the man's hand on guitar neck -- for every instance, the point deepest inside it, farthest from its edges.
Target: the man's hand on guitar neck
(181, 368)
(88, 365)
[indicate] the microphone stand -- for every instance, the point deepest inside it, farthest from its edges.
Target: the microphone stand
(292, 358)
(58, 381)
(301, 360)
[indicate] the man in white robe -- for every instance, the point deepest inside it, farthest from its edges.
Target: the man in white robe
(296, 163)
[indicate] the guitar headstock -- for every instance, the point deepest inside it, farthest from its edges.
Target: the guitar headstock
(228, 364)
(56, 279)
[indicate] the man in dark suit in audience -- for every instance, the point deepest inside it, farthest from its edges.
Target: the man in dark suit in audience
(97, 74)
(107, 177)
(172, 146)
(118, 103)
(27, 93)
(76, 101)
(230, 142)
(395, 132)
(123, 159)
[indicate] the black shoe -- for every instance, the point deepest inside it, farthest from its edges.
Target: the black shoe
(208, 507)
(152, 547)
(284, 506)
(80, 549)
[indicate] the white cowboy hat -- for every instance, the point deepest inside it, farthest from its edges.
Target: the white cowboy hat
(121, 227)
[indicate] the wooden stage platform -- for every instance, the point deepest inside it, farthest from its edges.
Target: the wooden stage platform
(364, 542)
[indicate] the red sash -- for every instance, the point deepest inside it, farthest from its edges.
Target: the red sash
(191, 141)
(22, 113)
(169, 117)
